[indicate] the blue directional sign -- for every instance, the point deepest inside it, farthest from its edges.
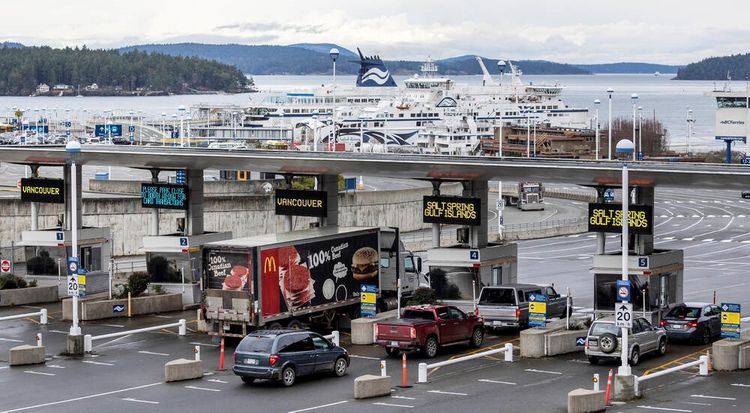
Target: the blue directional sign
(36, 128)
(108, 130)
(537, 310)
(68, 124)
(183, 241)
(609, 195)
(746, 161)
(580, 341)
(180, 176)
(473, 255)
(72, 265)
(131, 128)
(368, 299)
(623, 291)
(350, 184)
(118, 308)
(642, 262)
(60, 236)
(730, 320)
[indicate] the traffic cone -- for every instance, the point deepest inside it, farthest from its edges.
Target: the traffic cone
(221, 355)
(609, 389)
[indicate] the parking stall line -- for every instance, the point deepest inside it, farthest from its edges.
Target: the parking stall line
(217, 381)
(405, 406)
(130, 399)
(697, 403)
(75, 399)
(153, 353)
(201, 388)
(403, 398)
(114, 325)
(38, 373)
(11, 340)
(354, 356)
(497, 382)
(98, 363)
(702, 396)
(195, 343)
(307, 409)
(542, 371)
(740, 385)
(449, 393)
(665, 409)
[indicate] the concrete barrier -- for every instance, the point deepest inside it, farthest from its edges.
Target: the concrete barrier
(25, 354)
(730, 355)
(28, 295)
(564, 342)
(370, 385)
(585, 401)
(363, 329)
(97, 309)
(183, 369)
(551, 340)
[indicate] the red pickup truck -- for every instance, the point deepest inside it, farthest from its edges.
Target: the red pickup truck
(427, 327)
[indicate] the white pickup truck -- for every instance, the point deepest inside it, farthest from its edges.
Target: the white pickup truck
(508, 305)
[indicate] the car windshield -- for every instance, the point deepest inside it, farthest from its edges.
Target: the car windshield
(497, 296)
(256, 344)
(599, 329)
(419, 314)
(684, 312)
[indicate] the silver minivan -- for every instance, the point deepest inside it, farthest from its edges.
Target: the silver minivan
(603, 340)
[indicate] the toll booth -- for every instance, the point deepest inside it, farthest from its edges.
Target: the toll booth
(175, 263)
(46, 254)
(491, 265)
(656, 282)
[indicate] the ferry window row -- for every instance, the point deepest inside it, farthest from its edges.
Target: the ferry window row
(731, 102)
(363, 100)
(311, 111)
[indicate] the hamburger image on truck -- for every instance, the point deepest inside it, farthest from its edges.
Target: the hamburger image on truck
(301, 278)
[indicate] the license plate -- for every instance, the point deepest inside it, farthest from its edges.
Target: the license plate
(394, 343)
(676, 326)
(497, 323)
(252, 362)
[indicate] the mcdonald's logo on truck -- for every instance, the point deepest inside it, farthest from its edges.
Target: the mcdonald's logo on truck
(269, 264)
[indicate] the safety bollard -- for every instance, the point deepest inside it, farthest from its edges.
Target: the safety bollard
(183, 327)
(703, 367)
(710, 366)
(404, 383)
(87, 343)
(383, 373)
(422, 373)
(508, 352)
(43, 316)
(336, 338)
(609, 388)
(596, 382)
(197, 351)
(38, 339)
(221, 355)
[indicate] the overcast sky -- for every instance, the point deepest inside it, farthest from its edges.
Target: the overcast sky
(571, 31)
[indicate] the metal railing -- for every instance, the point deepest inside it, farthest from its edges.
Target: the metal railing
(88, 339)
(507, 350)
(702, 363)
(41, 313)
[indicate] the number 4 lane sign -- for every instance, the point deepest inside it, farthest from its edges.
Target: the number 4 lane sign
(624, 315)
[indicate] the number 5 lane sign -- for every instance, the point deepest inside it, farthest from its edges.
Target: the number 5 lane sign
(624, 315)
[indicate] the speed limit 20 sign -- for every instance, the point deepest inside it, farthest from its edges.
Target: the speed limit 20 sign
(624, 315)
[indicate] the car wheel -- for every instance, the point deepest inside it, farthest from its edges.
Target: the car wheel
(608, 343)
(294, 325)
(248, 380)
(392, 352)
(662, 347)
(275, 326)
(706, 338)
(430, 347)
(288, 376)
(594, 360)
(635, 357)
(339, 368)
(477, 337)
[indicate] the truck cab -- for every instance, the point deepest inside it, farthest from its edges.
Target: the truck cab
(397, 262)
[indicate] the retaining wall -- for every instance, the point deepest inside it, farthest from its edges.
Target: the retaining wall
(29, 295)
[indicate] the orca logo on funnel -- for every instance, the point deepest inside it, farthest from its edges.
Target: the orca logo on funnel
(373, 73)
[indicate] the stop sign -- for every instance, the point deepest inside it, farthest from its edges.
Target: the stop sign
(5, 266)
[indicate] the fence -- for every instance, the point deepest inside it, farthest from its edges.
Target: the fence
(507, 350)
(702, 363)
(41, 313)
(88, 339)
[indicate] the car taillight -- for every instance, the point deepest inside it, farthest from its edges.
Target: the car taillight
(273, 359)
(376, 329)
(586, 344)
(413, 332)
(518, 312)
(662, 323)
(692, 324)
(234, 358)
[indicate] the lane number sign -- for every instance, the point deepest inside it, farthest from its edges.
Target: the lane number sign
(624, 315)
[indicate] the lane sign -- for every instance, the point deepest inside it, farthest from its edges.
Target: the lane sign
(642, 262)
(730, 320)
(118, 308)
(473, 255)
(5, 266)
(72, 265)
(580, 341)
(623, 290)
(73, 289)
(537, 310)
(624, 315)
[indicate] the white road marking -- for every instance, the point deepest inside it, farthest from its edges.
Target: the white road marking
(39, 373)
(726, 240)
(162, 316)
(701, 396)
(153, 353)
(680, 216)
(204, 344)
(403, 398)
(450, 393)
(4, 367)
(696, 216)
(130, 399)
(393, 405)
(12, 340)
(207, 373)
(59, 331)
(688, 239)
(542, 371)
(707, 240)
(590, 236)
(319, 407)
(200, 388)
(114, 325)
(740, 384)
(354, 356)
(98, 363)
(217, 381)
(698, 403)
(55, 366)
(496, 382)
(710, 216)
(666, 409)
(668, 238)
(37, 406)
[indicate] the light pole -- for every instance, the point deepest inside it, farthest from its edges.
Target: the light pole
(597, 102)
(501, 66)
(361, 132)
(189, 118)
(535, 124)
(234, 126)
(640, 133)
(163, 128)
(385, 131)
(68, 124)
(528, 135)
(334, 53)
(315, 132)
(73, 149)
(131, 134)
(609, 125)
(634, 98)
(181, 110)
(174, 127)
(690, 122)
(625, 147)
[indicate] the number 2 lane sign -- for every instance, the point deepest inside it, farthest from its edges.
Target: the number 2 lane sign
(624, 315)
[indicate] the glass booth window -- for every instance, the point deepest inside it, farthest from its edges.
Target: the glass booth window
(606, 292)
(168, 267)
(45, 260)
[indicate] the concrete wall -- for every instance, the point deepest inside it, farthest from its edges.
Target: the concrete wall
(30, 295)
(209, 187)
(97, 309)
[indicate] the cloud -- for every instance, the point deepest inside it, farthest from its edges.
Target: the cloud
(274, 27)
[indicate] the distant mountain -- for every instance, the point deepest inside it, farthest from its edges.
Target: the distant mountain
(467, 65)
(717, 68)
(326, 48)
(10, 45)
(628, 67)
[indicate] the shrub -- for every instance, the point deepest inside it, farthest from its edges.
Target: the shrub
(41, 264)
(443, 289)
(33, 283)
(120, 291)
(161, 270)
(422, 295)
(138, 283)
(158, 290)
(12, 282)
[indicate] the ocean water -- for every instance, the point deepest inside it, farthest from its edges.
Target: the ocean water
(660, 97)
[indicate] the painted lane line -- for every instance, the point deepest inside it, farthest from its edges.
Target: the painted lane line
(130, 399)
(208, 373)
(688, 239)
(12, 340)
(55, 366)
(707, 240)
(318, 407)
(726, 240)
(114, 325)
(403, 398)
(153, 353)
(393, 405)
(701, 396)
(697, 403)
(496, 382)
(195, 343)
(39, 373)
(37, 406)
(162, 316)
(59, 331)
(668, 238)
(542, 371)
(740, 385)
(4, 367)
(666, 409)
(695, 216)
(450, 393)
(98, 363)
(217, 381)
(200, 388)
(354, 356)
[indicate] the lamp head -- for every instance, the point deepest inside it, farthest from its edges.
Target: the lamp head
(625, 146)
(73, 146)
(610, 90)
(334, 53)
(634, 96)
(597, 101)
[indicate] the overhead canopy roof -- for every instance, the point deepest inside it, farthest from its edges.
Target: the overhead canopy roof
(404, 166)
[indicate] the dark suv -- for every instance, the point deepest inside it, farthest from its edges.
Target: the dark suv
(285, 354)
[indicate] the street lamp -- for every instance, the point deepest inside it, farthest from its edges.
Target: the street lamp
(73, 148)
(501, 66)
(625, 147)
(131, 134)
(690, 122)
(315, 131)
(189, 118)
(181, 110)
(163, 128)
(361, 132)
(634, 98)
(174, 127)
(640, 132)
(597, 102)
(528, 135)
(334, 53)
(609, 125)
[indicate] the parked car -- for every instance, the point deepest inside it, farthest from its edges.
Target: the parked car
(604, 340)
(508, 305)
(427, 327)
(699, 322)
(284, 355)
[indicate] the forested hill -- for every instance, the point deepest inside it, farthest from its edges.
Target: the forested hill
(717, 68)
(23, 69)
